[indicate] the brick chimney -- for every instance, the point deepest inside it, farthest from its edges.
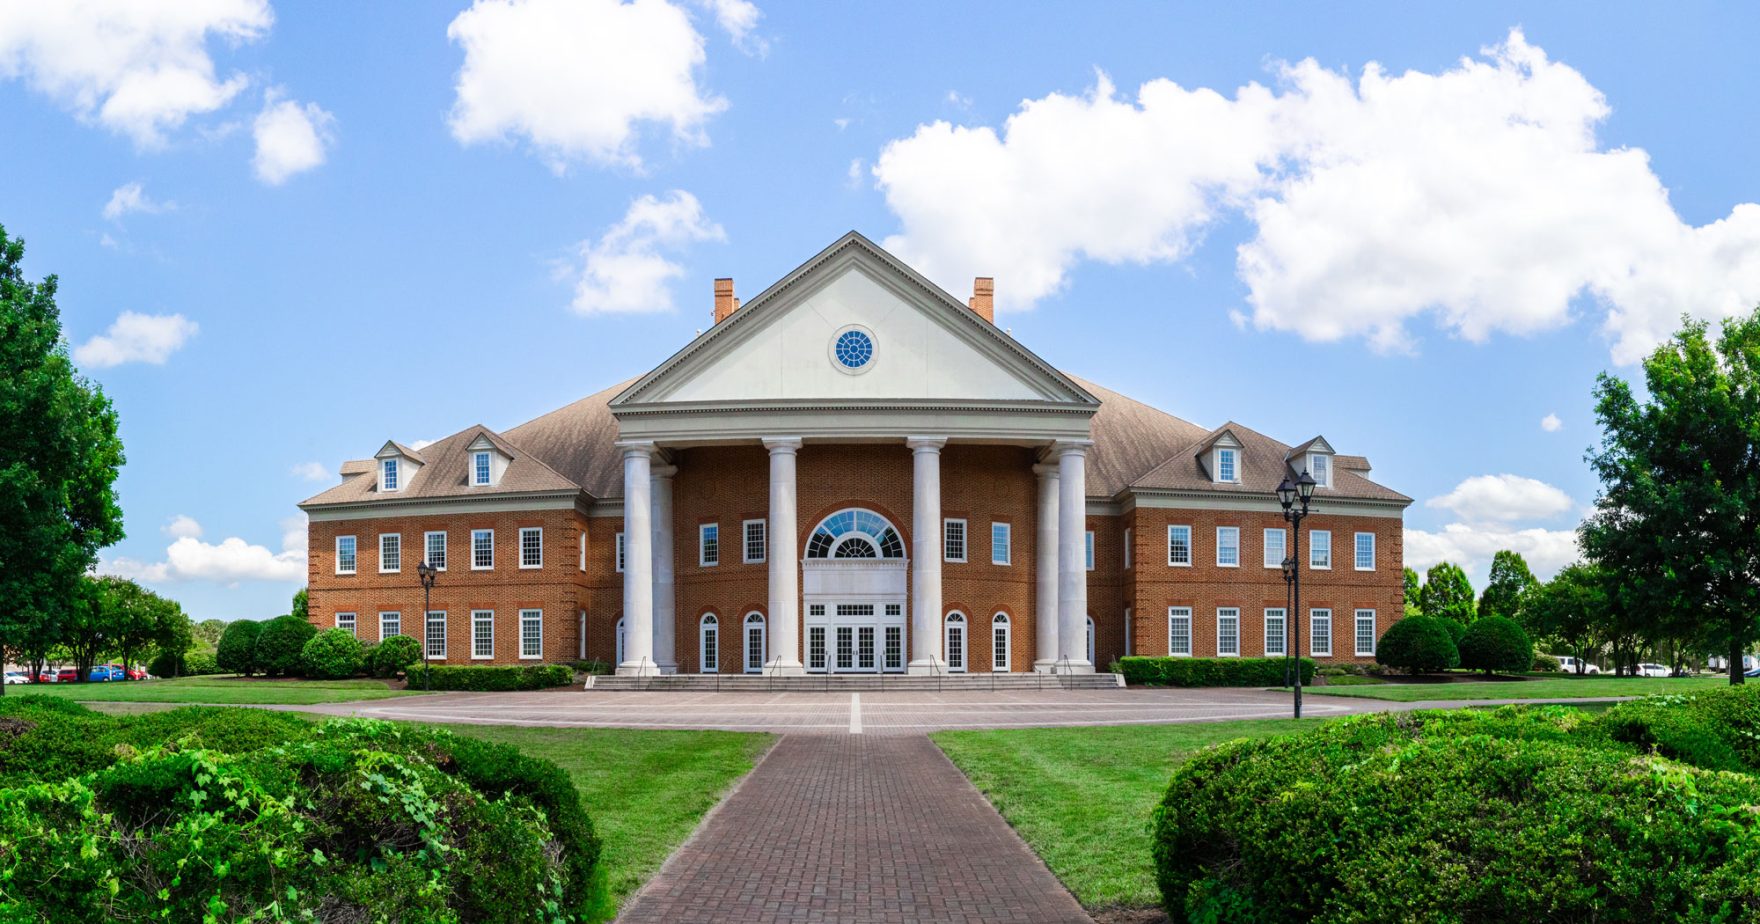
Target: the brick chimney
(984, 298)
(725, 303)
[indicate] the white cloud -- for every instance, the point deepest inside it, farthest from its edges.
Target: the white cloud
(1551, 424)
(311, 471)
(145, 338)
(132, 197)
(420, 444)
(857, 173)
(140, 69)
(738, 18)
(628, 269)
(182, 526)
(229, 561)
(1503, 499)
(291, 138)
(576, 79)
(1479, 195)
(1472, 547)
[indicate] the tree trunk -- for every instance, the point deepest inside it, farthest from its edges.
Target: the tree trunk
(1735, 659)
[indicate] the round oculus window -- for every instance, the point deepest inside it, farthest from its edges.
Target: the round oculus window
(854, 349)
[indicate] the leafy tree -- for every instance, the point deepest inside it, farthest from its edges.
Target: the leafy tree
(1412, 588)
(299, 603)
(1569, 609)
(237, 651)
(281, 643)
(1509, 579)
(1678, 516)
(1447, 594)
(1418, 644)
(139, 619)
(1496, 643)
(207, 632)
(59, 455)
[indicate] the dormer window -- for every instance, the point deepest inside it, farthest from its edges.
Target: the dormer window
(480, 467)
(1227, 464)
(1320, 466)
(388, 474)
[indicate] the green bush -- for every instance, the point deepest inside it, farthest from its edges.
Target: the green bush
(1419, 644)
(167, 664)
(393, 656)
(281, 644)
(1496, 643)
(1504, 816)
(489, 678)
(237, 651)
(332, 655)
(1210, 672)
(1544, 664)
(1457, 629)
(1717, 729)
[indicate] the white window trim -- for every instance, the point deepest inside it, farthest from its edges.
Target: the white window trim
(1235, 454)
(1356, 635)
(398, 560)
(491, 565)
(522, 546)
(745, 541)
(965, 540)
(477, 470)
(427, 620)
(583, 551)
(617, 558)
(522, 635)
(705, 664)
(1356, 558)
(1314, 620)
(1320, 532)
(1237, 547)
(1237, 632)
(745, 632)
(703, 545)
(1088, 549)
(1265, 546)
(357, 555)
(354, 623)
(391, 468)
(1265, 641)
(382, 615)
(956, 620)
(445, 553)
(1175, 612)
(1191, 551)
(1127, 548)
(1001, 619)
(1007, 544)
(1318, 481)
(491, 655)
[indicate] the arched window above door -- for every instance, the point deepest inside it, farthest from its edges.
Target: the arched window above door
(855, 533)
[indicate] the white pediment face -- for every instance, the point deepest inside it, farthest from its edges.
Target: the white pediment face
(922, 349)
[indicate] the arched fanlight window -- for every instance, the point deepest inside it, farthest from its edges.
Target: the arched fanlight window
(999, 638)
(855, 533)
(709, 644)
(754, 643)
(955, 649)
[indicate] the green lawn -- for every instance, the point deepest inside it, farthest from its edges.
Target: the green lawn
(1081, 797)
(219, 690)
(1549, 688)
(646, 790)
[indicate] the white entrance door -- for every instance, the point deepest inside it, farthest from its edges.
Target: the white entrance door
(754, 643)
(956, 642)
(861, 638)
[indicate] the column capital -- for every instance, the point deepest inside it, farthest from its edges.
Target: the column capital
(782, 443)
(637, 448)
(663, 471)
(925, 443)
(1063, 448)
(1046, 470)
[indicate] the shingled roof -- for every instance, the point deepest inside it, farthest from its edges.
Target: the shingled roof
(444, 475)
(1130, 438)
(1262, 467)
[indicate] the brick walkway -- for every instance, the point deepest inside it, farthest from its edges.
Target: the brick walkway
(854, 828)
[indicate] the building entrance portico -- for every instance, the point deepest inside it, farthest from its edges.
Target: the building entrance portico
(854, 583)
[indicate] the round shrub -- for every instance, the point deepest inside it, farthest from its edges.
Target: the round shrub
(1544, 664)
(1457, 629)
(393, 656)
(237, 651)
(1496, 643)
(281, 644)
(1369, 822)
(197, 663)
(1418, 644)
(332, 655)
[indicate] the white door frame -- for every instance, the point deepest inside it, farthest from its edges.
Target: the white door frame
(754, 620)
(955, 621)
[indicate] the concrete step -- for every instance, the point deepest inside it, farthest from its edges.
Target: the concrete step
(819, 683)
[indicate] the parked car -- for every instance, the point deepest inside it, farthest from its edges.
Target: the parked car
(46, 675)
(1652, 670)
(135, 673)
(118, 672)
(67, 675)
(1569, 665)
(17, 677)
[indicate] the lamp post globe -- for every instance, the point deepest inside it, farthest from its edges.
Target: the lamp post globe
(1286, 494)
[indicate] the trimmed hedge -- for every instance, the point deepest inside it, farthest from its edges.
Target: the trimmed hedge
(237, 651)
(393, 656)
(1717, 729)
(486, 678)
(1420, 645)
(1495, 643)
(1468, 816)
(1210, 672)
(334, 654)
(281, 644)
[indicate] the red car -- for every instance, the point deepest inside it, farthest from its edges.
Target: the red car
(133, 673)
(67, 675)
(46, 676)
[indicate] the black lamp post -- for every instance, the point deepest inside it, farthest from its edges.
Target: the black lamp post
(427, 573)
(1289, 647)
(1294, 499)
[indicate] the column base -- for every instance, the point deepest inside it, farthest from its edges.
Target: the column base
(926, 666)
(644, 668)
(1071, 666)
(666, 667)
(1045, 667)
(778, 667)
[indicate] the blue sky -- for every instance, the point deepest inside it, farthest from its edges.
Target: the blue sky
(285, 235)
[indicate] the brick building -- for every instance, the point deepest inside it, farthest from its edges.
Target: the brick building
(854, 472)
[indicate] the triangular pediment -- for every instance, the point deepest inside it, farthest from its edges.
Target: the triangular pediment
(916, 345)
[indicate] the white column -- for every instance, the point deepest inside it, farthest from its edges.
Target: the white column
(665, 590)
(1045, 570)
(926, 555)
(784, 558)
(1072, 557)
(638, 561)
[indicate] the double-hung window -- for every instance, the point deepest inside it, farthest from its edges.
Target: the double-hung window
(1088, 548)
(1320, 549)
(480, 468)
(757, 541)
(1001, 544)
(1228, 631)
(390, 624)
(531, 547)
(1365, 633)
(436, 634)
(388, 475)
(708, 544)
(1179, 631)
(344, 554)
(1228, 546)
(531, 633)
(1274, 547)
(1365, 551)
(435, 552)
(1179, 546)
(1226, 468)
(390, 553)
(482, 549)
(953, 533)
(1276, 632)
(1320, 632)
(345, 621)
(482, 634)
(1320, 466)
